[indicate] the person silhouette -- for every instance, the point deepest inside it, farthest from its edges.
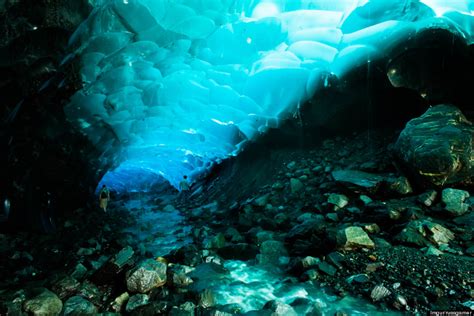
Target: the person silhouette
(184, 185)
(104, 197)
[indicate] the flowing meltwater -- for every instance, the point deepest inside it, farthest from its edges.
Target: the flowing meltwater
(162, 229)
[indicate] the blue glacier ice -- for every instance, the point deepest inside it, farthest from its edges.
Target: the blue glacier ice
(172, 86)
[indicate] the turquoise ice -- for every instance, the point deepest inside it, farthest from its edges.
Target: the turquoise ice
(173, 86)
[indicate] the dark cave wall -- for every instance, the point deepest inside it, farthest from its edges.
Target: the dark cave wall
(47, 168)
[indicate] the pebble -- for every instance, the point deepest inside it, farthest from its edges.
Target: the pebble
(379, 292)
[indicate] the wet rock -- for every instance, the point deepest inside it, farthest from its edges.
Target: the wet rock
(278, 186)
(46, 303)
(296, 185)
(207, 299)
(400, 302)
(262, 201)
(78, 306)
(327, 268)
(272, 252)
(114, 266)
(188, 255)
(400, 186)
(432, 251)
(186, 309)
(379, 292)
(338, 200)
(65, 287)
(304, 217)
(373, 267)
(85, 251)
(332, 217)
(454, 201)
(310, 262)
(424, 232)
(79, 272)
(91, 292)
(335, 258)
(372, 228)
(359, 181)
(311, 275)
(363, 182)
(279, 309)
(179, 276)
(147, 275)
(436, 149)
(353, 237)
(216, 242)
(358, 278)
(233, 235)
(428, 198)
(264, 235)
(365, 199)
(136, 301)
(119, 301)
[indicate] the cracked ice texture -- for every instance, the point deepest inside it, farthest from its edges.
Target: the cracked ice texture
(172, 86)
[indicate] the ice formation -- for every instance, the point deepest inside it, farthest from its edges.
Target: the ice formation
(181, 84)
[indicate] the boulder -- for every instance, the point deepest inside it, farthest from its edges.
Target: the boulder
(147, 275)
(279, 309)
(46, 303)
(436, 149)
(188, 255)
(179, 277)
(272, 252)
(454, 201)
(136, 301)
(327, 268)
(359, 181)
(364, 182)
(65, 287)
(353, 237)
(186, 309)
(79, 306)
(296, 185)
(121, 261)
(425, 233)
(338, 200)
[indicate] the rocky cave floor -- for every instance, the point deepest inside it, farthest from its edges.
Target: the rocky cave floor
(361, 235)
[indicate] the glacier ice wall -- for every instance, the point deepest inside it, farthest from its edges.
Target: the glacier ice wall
(181, 84)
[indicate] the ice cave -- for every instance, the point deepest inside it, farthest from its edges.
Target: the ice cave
(236, 157)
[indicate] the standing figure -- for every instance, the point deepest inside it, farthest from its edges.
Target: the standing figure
(184, 185)
(104, 197)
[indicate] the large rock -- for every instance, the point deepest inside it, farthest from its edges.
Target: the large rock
(46, 303)
(79, 306)
(436, 149)
(425, 233)
(272, 252)
(147, 275)
(454, 201)
(353, 237)
(278, 308)
(364, 182)
(136, 301)
(120, 262)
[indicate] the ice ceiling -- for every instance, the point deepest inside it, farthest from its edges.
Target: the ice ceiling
(181, 84)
